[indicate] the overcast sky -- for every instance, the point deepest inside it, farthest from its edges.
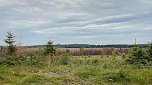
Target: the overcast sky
(77, 21)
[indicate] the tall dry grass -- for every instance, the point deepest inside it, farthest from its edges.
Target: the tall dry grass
(76, 51)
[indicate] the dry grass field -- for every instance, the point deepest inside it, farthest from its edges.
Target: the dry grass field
(77, 52)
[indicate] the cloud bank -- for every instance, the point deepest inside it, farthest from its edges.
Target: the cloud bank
(77, 21)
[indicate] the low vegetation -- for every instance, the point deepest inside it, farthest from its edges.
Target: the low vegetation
(47, 67)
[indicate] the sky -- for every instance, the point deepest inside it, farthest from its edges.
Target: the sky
(34, 22)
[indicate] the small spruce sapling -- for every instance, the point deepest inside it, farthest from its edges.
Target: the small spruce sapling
(49, 49)
(10, 41)
(137, 56)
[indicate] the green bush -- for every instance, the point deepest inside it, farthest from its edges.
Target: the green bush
(63, 59)
(19, 60)
(59, 60)
(149, 52)
(114, 77)
(137, 56)
(114, 54)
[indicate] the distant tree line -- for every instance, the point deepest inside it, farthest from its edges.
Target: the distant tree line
(91, 46)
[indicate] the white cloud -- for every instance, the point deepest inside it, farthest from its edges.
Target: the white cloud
(77, 18)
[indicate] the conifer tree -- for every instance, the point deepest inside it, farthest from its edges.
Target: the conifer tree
(49, 49)
(10, 41)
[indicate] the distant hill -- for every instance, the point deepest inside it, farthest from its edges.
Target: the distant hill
(89, 46)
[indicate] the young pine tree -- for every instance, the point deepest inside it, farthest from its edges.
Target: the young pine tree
(138, 56)
(49, 49)
(10, 41)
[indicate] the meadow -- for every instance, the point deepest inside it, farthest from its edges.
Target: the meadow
(66, 69)
(74, 66)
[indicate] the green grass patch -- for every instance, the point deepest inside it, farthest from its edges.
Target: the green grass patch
(78, 71)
